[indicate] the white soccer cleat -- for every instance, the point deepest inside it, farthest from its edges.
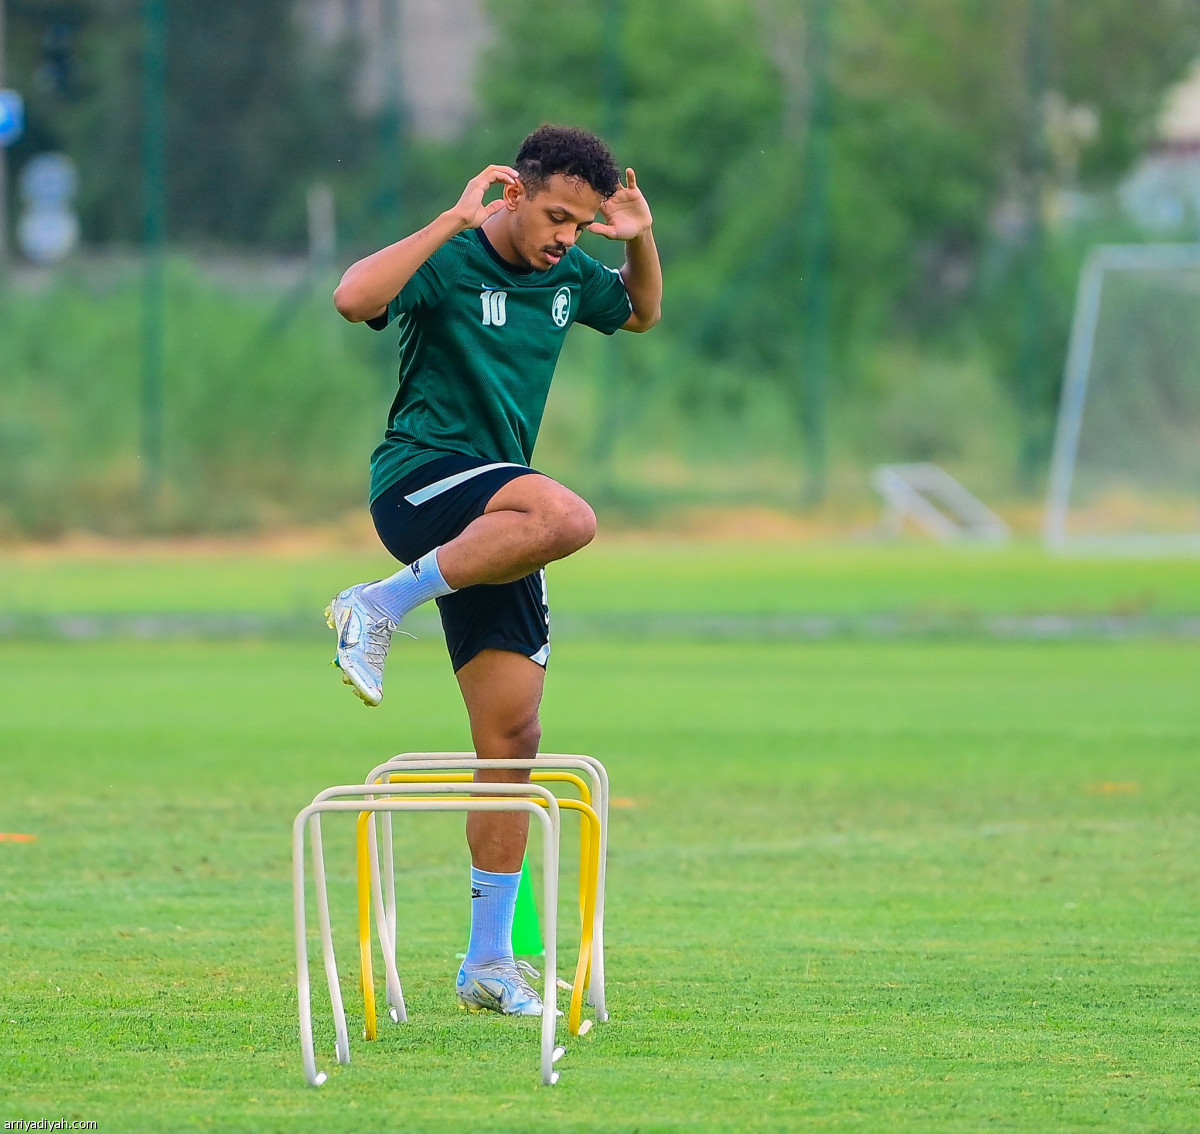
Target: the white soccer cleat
(364, 634)
(498, 986)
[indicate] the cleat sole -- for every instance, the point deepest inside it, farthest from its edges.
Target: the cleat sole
(359, 693)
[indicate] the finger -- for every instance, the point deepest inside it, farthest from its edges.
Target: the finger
(603, 230)
(495, 173)
(630, 179)
(492, 208)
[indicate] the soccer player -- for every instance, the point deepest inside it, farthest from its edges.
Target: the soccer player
(484, 296)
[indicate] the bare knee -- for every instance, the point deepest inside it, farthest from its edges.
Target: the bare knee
(517, 739)
(569, 522)
(559, 521)
(523, 736)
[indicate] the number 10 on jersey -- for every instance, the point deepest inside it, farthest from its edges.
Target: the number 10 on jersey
(495, 305)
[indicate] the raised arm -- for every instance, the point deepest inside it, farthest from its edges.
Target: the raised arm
(368, 286)
(627, 217)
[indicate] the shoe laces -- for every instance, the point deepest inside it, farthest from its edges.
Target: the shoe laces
(526, 969)
(524, 972)
(377, 638)
(516, 970)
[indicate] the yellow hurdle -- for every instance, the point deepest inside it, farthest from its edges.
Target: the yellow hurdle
(585, 794)
(589, 881)
(366, 972)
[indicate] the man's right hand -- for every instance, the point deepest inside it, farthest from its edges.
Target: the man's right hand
(369, 285)
(470, 211)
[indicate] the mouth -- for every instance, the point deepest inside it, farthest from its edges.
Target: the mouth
(554, 254)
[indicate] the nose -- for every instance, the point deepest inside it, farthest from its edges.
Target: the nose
(566, 236)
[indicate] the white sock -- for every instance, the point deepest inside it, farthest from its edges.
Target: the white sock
(417, 583)
(493, 903)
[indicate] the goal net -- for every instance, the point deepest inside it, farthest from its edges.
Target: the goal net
(1126, 468)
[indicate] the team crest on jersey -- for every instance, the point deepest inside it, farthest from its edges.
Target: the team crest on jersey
(560, 309)
(495, 307)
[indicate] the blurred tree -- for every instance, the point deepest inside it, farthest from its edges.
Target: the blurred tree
(254, 113)
(930, 127)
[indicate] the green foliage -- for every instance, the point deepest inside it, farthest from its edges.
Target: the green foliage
(937, 159)
(931, 127)
(934, 131)
(261, 424)
(1120, 58)
(253, 116)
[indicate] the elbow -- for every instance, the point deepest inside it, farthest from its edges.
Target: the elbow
(348, 305)
(352, 301)
(641, 323)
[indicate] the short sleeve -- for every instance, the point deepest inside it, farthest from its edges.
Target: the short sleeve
(429, 284)
(603, 301)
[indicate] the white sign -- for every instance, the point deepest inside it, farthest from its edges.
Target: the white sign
(48, 235)
(48, 229)
(48, 181)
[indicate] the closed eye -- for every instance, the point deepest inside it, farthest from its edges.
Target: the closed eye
(562, 217)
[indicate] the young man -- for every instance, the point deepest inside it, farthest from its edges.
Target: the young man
(484, 296)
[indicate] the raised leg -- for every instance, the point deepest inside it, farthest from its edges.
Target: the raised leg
(531, 521)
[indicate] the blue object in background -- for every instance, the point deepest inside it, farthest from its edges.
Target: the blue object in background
(12, 118)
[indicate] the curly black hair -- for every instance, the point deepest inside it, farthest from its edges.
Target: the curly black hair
(571, 152)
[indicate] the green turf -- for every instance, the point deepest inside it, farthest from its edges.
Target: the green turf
(658, 575)
(861, 886)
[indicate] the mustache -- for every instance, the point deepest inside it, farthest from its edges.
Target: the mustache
(556, 249)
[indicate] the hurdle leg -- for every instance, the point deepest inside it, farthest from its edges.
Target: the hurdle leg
(550, 1052)
(387, 938)
(388, 883)
(597, 995)
(300, 929)
(331, 973)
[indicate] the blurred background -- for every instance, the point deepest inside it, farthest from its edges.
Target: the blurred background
(873, 216)
(932, 270)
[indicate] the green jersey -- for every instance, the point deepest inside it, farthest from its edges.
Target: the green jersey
(479, 340)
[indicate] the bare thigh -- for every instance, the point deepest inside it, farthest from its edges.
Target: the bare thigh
(529, 522)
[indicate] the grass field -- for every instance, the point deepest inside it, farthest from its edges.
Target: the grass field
(657, 575)
(855, 885)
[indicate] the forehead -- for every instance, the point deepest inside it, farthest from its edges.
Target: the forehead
(570, 195)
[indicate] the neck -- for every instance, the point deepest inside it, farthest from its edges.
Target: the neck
(499, 233)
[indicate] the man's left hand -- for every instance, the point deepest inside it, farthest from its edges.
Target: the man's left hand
(626, 213)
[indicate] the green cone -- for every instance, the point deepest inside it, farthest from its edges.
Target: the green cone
(526, 933)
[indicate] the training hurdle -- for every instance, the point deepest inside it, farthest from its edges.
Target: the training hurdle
(547, 767)
(442, 782)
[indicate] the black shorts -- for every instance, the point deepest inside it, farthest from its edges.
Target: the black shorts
(431, 506)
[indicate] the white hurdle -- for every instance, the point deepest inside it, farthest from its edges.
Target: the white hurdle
(383, 879)
(525, 797)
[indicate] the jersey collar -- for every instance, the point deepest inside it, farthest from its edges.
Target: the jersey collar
(481, 236)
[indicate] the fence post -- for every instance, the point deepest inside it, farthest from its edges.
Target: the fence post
(154, 209)
(814, 253)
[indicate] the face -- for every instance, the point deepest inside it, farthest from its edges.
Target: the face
(548, 222)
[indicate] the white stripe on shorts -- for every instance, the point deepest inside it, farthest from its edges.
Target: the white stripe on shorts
(447, 483)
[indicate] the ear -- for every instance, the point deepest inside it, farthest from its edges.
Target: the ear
(513, 195)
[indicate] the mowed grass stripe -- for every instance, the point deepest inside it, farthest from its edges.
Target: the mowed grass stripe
(624, 575)
(853, 886)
